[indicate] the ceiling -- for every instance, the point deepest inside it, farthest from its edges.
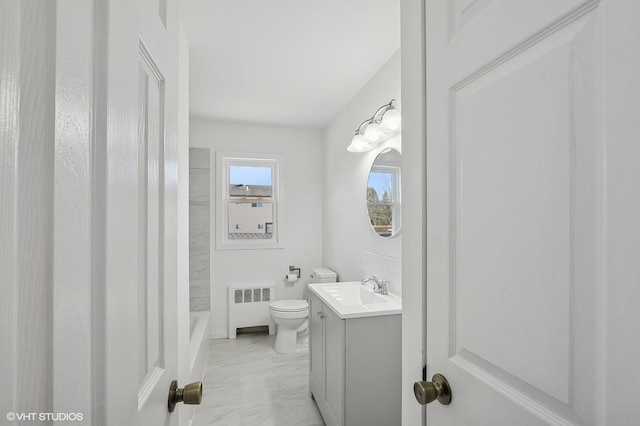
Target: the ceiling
(291, 63)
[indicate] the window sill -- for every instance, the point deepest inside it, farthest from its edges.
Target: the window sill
(247, 245)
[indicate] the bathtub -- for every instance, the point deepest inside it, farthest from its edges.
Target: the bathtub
(198, 342)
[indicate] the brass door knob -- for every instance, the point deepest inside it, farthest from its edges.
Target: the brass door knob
(190, 394)
(438, 388)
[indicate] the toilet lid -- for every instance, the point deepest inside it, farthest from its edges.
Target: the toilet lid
(289, 305)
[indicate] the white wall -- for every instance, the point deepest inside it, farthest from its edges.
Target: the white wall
(350, 247)
(301, 230)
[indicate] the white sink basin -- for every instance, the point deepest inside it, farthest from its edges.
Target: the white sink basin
(352, 300)
(351, 295)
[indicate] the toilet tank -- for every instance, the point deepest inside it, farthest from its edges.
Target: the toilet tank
(323, 275)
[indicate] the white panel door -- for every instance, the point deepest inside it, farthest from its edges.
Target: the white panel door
(141, 181)
(528, 177)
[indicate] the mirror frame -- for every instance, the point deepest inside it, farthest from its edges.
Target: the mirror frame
(396, 202)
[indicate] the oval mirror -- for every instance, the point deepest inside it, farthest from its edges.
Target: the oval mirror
(383, 193)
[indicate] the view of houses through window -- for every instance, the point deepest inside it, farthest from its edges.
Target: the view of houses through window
(250, 201)
(247, 201)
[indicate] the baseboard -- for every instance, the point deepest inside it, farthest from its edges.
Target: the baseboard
(218, 335)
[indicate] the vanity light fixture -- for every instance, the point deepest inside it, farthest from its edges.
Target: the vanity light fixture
(384, 123)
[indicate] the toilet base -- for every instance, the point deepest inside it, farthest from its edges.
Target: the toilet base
(286, 341)
(303, 330)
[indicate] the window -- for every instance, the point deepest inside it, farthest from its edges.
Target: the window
(247, 201)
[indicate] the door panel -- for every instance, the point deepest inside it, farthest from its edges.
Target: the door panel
(513, 209)
(151, 350)
(517, 211)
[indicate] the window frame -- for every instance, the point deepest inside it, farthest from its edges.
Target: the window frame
(224, 160)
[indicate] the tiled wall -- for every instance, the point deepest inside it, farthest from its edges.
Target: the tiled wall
(385, 268)
(199, 230)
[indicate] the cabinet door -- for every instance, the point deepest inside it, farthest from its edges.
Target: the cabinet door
(316, 349)
(334, 365)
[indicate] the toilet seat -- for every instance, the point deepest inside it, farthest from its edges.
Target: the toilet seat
(289, 305)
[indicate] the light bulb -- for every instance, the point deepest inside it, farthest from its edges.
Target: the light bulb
(373, 133)
(359, 144)
(391, 121)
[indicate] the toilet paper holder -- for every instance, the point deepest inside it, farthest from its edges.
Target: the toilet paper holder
(293, 268)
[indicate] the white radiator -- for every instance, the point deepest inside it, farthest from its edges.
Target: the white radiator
(249, 306)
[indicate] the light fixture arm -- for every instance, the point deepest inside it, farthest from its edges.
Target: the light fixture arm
(376, 117)
(359, 130)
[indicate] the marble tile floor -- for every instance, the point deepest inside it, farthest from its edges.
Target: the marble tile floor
(246, 383)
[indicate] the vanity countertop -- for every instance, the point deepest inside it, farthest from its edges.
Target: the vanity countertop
(353, 300)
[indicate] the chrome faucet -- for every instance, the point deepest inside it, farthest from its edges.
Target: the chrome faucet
(378, 287)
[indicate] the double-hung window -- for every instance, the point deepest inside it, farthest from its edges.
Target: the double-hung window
(248, 198)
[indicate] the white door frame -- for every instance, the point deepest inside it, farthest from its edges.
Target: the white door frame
(50, 218)
(27, 131)
(413, 209)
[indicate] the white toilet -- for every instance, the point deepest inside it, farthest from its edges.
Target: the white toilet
(291, 315)
(288, 315)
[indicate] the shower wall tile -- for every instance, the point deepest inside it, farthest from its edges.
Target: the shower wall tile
(199, 296)
(199, 158)
(199, 229)
(199, 186)
(199, 242)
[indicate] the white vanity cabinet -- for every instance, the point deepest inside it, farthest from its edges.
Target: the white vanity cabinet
(355, 366)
